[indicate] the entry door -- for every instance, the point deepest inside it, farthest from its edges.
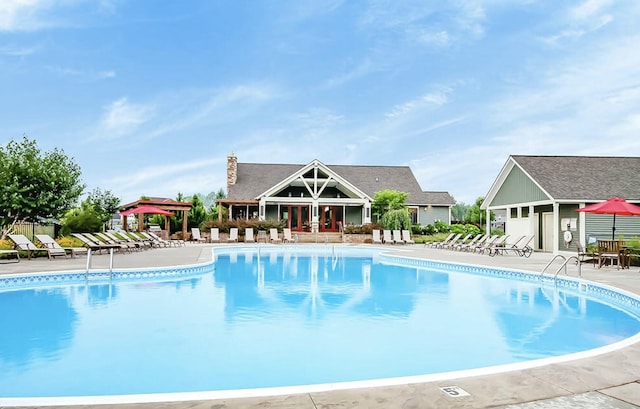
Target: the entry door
(330, 218)
(547, 232)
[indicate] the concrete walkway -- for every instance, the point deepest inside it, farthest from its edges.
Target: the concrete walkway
(610, 380)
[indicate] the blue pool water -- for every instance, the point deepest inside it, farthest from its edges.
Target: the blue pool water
(285, 318)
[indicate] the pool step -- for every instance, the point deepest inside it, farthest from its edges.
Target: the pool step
(321, 237)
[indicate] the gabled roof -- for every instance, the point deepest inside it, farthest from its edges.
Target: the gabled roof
(255, 178)
(580, 178)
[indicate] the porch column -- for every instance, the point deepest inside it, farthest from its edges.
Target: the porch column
(487, 220)
(556, 227)
(367, 213)
(314, 216)
(185, 215)
(582, 226)
(533, 229)
(262, 210)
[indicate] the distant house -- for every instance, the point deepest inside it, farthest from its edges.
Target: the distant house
(319, 197)
(540, 195)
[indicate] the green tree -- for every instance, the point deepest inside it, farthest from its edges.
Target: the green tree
(35, 184)
(396, 219)
(82, 219)
(477, 215)
(104, 203)
(459, 211)
(387, 200)
(197, 213)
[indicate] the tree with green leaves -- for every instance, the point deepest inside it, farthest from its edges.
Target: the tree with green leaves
(35, 184)
(82, 219)
(387, 200)
(104, 203)
(197, 213)
(459, 211)
(477, 215)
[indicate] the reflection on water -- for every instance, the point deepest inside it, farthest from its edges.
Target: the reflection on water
(277, 319)
(35, 324)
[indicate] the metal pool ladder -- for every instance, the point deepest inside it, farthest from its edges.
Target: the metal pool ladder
(86, 272)
(563, 266)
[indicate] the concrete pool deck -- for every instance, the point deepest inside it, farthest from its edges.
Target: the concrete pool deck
(610, 380)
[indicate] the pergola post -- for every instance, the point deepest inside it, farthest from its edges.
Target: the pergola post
(185, 215)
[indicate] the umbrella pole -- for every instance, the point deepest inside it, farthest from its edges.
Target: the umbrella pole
(613, 230)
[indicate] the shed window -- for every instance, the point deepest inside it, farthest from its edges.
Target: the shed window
(514, 212)
(524, 211)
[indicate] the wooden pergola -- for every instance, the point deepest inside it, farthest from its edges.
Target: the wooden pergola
(161, 203)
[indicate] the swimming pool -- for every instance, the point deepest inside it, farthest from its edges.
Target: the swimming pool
(276, 316)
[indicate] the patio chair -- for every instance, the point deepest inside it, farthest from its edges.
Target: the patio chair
(233, 235)
(123, 237)
(215, 235)
(386, 237)
(584, 256)
(21, 242)
(436, 243)
(457, 241)
(107, 238)
(172, 242)
(376, 237)
(102, 239)
(273, 236)
(195, 235)
(248, 235)
(472, 242)
(93, 245)
(286, 236)
(520, 247)
(156, 240)
(13, 255)
(406, 237)
(50, 243)
(397, 237)
(442, 244)
(481, 247)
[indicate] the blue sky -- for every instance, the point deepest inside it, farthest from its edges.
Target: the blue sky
(149, 97)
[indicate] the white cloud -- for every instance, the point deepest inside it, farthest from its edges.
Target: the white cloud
(20, 14)
(17, 51)
(123, 118)
(437, 98)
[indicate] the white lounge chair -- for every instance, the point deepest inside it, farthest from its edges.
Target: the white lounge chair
(406, 237)
(233, 235)
(215, 235)
(286, 236)
(273, 236)
(397, 237)
(248, 235)
(195, 235)
(376, 237)
(386, 237)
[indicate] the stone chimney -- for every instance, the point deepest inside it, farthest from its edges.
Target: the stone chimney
(232, 170)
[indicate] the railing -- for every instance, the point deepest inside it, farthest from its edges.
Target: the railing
(562, 266)
(88, 269)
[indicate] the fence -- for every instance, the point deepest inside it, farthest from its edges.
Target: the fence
(31, 229)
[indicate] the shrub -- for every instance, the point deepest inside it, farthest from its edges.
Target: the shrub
(429, 229)
(361, 228)
(396, 220)
(441, 227)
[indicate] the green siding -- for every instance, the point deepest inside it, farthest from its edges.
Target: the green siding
(600, 226)
(517, 188)
(568, 211)
(432, 214)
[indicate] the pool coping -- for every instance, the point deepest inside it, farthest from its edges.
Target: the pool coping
(612, 371)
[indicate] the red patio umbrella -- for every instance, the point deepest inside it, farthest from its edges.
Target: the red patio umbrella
(614, 206)
(146, 209)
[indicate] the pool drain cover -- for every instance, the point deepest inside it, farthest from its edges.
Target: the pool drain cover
(454, 391)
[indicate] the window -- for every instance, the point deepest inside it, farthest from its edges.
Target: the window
(514, 212)
(524, 211)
